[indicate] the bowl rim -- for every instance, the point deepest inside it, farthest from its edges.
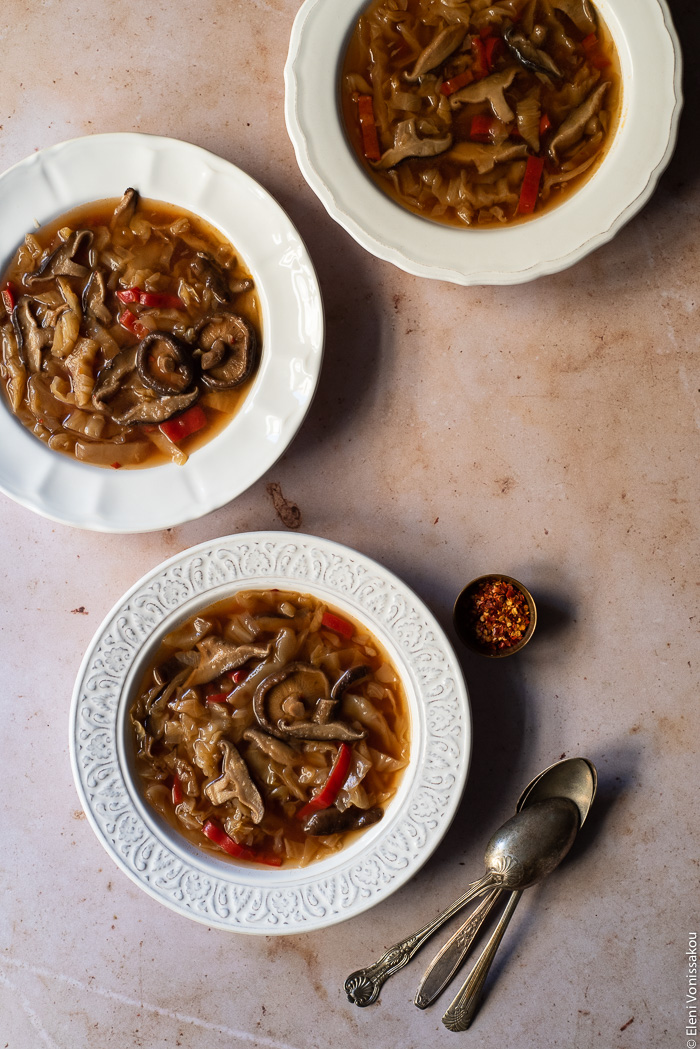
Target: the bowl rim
(52, 182)
(244, 898)
(623, 183)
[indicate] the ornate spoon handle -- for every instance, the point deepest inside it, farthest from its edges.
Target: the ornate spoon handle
(446, 963)
(461, 1012)
(362, 987)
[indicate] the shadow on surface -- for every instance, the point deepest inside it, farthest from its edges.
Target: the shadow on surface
(684, 167)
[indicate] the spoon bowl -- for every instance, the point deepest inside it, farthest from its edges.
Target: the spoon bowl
(574, 778)
(531, 844)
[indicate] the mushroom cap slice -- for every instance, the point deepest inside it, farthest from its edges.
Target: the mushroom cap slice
(274, 724)
(581, 13)
(324, 708)
(572, 128)
(217, 656)
(208, 270)
(331, 730)
(109, 379)
(332, 820)
(440, 47)
(156, 411)
(271, 747)
(124, 211)
(408, 143)
(229, 346)
(484, 157)
(61, 262)
(31, 339)
(164, 363)
(235, 783)
(490, 89)
(529, 56)
(94, 294)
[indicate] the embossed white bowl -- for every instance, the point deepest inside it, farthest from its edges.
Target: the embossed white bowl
(246, 898)
(55, 180)
(650, 58)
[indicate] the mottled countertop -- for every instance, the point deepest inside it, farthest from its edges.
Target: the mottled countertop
(548, 430)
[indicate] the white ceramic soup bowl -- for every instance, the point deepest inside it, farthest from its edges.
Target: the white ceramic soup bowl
(243, 897)
(650, 62)
(56, 180)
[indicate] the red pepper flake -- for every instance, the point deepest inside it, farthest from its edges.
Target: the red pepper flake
(499, 614)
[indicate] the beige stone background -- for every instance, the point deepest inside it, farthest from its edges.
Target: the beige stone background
(548, 430)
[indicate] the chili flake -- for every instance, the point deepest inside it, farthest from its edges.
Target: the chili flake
(499, 614)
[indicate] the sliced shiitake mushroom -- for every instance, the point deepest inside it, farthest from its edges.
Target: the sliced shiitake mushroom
(229, 351)
(164, 363)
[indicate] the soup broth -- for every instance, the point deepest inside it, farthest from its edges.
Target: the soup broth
(478, 114)
(271, 728)
(130, 333)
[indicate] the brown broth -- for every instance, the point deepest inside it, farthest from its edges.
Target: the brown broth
(184, 738)
(160, 263)
(482, 187)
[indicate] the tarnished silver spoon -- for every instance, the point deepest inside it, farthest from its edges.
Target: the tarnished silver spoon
(460, 1013)
(362, 987)
(573, 778)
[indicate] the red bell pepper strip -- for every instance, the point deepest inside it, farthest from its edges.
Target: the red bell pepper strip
(368, 127)
(177, 791)
(331, 788)
(184, 425)
(218, 697)
(130, 321)
(454, 83)
(594, 54)
(242, 852)
(128, 294)
(8, 298)
(237, 676)
(155, 300)
(337, 625)
(160, 300)
(492, 47)
(480, 130)
(480, 65)
(531, 185)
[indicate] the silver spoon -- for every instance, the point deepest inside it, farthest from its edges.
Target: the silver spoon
(573, 778)
(460, 1013)
(362, 987)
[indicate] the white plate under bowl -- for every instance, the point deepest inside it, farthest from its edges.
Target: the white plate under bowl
(650, 58)
(250, 899)
(53, 181)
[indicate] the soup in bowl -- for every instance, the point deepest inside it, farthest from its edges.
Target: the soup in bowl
(130, 332)
(483, 143)
(473, 113)
(271, 728)
(270, 733)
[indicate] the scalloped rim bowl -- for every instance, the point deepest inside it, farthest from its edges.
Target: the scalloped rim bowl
(59, 178)
(247, 898)
(646, 135)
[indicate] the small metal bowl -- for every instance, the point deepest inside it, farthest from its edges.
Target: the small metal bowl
(463, 619)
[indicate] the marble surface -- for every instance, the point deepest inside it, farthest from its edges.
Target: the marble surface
(548, 430)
